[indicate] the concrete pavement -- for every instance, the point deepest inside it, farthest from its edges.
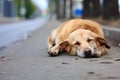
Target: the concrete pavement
(29, 61)
(4, 20)
(12, 32)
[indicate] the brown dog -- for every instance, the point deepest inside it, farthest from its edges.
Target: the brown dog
(79, 37)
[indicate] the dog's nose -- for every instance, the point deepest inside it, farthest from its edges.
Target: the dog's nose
(87, 53)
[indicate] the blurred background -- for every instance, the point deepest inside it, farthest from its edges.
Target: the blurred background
(25, 9)
(104, 11)
(62, 9)
(99, 10)
(18, 18)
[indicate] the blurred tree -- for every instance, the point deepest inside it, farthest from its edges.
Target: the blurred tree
(57, 9)
(71, 6)
(18, 5)
(96, 10)
(64, 12)
(29, 6)
(60, 8)
(86, 8)
(110, 9)
(91, 8)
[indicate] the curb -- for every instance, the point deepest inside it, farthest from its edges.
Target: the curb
(112, 34)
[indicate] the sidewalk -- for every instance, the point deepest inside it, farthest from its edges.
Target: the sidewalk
(12, 32)
(30, 61)
(4, 20)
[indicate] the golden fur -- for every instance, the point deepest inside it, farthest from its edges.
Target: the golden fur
(64, 37)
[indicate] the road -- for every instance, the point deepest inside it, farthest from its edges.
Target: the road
(12, 32)
(29, 61)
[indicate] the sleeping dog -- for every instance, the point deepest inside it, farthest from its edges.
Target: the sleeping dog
(80, 37)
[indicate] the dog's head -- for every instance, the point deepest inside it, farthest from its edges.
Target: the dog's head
(83, 43)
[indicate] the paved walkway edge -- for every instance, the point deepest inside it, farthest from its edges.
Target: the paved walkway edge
(112, 34)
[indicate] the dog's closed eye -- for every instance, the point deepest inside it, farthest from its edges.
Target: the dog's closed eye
(89, 40)
(77, 43)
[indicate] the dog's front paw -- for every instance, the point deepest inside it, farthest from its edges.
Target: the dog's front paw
(54, 51)
(100, 51)
(97, 55)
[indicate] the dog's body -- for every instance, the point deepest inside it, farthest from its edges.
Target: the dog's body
(80, 37)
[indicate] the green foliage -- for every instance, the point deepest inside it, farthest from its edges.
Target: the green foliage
(30, 7)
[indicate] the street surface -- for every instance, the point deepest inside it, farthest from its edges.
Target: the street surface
(12, 32)
(29, 61)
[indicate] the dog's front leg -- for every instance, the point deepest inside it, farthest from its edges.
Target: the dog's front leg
(100, 51)
(54, 51)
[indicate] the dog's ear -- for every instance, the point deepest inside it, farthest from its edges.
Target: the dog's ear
(64, 46)
(102, 42)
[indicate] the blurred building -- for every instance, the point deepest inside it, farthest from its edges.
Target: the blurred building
(7, 8)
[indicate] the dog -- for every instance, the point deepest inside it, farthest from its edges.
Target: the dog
(78, 37)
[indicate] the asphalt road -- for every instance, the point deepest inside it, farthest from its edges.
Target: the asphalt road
(11, 32)
(29, 61)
